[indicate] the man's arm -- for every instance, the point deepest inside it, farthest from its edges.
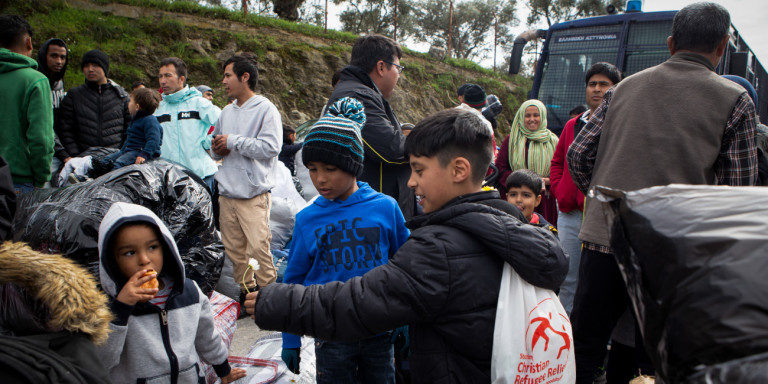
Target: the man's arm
(737, 163)
(557, 167)
(209, 115)
(582, 153)
(266, 144)
(382, 139)
(40, 132)
(389, 296)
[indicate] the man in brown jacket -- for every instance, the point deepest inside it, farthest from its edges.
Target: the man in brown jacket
(677, 122)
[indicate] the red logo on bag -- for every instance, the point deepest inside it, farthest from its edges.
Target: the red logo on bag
(541, 333)
(548, 343)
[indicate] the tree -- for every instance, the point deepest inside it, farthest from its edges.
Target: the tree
(473, 25)
(287, 9)
(555, 11)
(378, 16)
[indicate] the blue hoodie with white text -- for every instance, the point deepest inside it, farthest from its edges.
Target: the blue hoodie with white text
(336, 240)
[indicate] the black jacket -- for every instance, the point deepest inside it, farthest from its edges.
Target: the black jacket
(7, 201)
(385, 167)
(443, 282)
(89, 118)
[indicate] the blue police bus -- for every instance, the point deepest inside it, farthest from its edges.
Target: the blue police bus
(632, 41)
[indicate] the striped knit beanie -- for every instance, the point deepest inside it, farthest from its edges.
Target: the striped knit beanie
(335, 138)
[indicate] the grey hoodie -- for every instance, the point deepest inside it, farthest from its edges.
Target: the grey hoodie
(147, 344)
(255, 139)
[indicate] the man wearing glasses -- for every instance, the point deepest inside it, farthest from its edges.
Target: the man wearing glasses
(370, 78)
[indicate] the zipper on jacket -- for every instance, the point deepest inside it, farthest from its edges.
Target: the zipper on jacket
(167, 344)
(99, 127)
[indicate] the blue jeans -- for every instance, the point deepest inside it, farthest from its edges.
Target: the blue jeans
(122, 158)
(568, 227)
(210, 181)
(366, 361)
(23, 188)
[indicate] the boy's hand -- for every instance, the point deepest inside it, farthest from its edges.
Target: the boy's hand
(140, 160)
(234, 374)
(219, 145)
(132, 292)
(250, 303)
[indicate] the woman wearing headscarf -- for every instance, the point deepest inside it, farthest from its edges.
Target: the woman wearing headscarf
(530, 145)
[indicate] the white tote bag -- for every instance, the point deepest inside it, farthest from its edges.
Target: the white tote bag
(532, 337)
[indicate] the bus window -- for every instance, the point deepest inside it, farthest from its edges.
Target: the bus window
(646, 45)
(571, 52)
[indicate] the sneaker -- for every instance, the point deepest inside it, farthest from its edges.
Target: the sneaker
(72, 179)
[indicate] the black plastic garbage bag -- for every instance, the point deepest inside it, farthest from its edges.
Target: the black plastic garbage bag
(66, 220)
(695, 261)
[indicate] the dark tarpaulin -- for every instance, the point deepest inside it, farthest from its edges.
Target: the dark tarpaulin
(66, 220)
(695, 261)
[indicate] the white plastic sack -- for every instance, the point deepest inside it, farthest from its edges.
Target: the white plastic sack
(80, 166)
(532, 337)
(286, 203)
(273, 370)
(308, 190)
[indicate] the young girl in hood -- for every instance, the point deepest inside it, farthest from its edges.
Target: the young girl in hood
(159, 333)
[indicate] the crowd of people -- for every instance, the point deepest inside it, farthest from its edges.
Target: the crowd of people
(405, 243)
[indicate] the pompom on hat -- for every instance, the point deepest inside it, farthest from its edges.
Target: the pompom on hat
(336, 139)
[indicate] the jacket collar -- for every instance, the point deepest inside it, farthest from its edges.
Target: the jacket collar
(140, 114)
(448, 209)
(357, 74)
(696, 58)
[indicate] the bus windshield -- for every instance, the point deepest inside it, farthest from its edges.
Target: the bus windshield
(571, 51)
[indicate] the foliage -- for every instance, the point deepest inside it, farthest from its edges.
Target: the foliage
(555, 11)
(378, 16)
(473, 25)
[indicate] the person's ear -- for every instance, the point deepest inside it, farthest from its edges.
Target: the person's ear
(28, 44)
(245, 77)
(671, 45)
(183, 79)
(538, 201)
(461, 170)
(721, 47)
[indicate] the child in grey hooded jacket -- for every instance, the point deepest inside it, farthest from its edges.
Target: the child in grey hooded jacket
(158, 334)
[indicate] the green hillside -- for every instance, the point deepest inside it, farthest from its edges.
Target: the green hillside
(296, 61)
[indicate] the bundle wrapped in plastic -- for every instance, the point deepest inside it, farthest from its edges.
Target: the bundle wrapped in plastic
(286, 203)
(66, 220)
(694, 261)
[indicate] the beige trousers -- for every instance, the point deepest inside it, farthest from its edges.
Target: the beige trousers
(245, 233)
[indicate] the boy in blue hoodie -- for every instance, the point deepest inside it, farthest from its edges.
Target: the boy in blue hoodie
(158, 334)
(348, 230)
(144, 136)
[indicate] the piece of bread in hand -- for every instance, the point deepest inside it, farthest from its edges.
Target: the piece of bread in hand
(152, 283)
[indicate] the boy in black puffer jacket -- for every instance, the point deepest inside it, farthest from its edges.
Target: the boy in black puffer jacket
(444, 281)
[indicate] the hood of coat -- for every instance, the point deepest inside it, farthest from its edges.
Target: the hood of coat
(64, 295)
(112, 280)
(182, 95)
(534, 252)
(42, 60)
(11, 61)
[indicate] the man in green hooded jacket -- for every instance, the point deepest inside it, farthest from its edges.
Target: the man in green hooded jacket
(26, 113)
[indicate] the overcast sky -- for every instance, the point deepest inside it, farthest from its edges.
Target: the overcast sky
(749, 16)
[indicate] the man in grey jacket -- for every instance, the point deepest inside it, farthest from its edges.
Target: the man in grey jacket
(248, 137)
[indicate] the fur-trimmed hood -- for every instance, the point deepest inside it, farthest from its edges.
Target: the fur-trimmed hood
(122, 213)
(67, 290)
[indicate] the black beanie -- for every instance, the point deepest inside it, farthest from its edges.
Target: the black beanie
(474, 96)
(335, 138)
(96, 57)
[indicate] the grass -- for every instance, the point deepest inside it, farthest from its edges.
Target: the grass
(135, 47)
